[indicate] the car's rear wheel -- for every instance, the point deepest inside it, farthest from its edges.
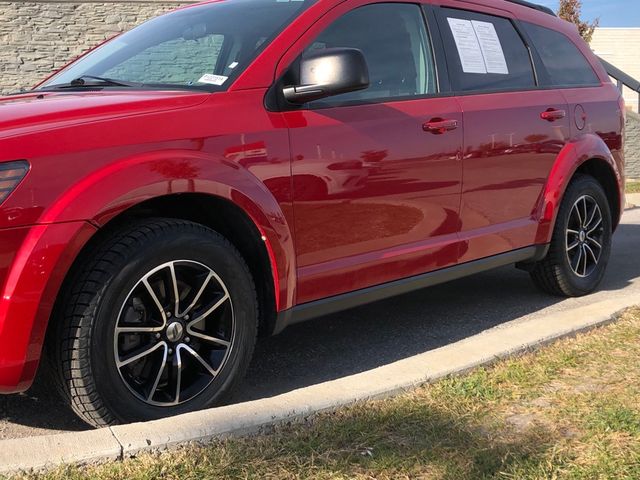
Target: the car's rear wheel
(161, 320)
(581, 243)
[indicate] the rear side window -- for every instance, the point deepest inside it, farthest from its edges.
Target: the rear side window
(485, 53)
(564, 62)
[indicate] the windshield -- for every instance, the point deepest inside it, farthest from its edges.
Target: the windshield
(201, 47)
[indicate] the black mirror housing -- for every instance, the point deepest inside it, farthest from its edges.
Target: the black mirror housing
(328, 72)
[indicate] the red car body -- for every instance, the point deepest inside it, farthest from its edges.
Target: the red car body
(434, 201)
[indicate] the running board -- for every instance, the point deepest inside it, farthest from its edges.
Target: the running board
(326, 306)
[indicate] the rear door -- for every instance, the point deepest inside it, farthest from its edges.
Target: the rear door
(514, 130)
(376, 173)
(593, 107)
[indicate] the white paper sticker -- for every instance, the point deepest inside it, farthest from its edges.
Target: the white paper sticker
(233, 65)
(468, 46)
(212, 79)
(491, 48)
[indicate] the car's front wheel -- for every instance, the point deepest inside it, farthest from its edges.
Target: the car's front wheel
(581, 243)
(161, 320)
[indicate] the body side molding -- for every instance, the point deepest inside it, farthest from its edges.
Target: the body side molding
(319, 308)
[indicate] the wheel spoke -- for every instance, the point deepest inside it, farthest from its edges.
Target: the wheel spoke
(120, 330)
(573, 245)
(196, 299)
(197, 356)
(178, 366)
(585, 211)
(174, 283)
(156, 301)
(594, 242)
(163, 365)
(215, 306)
(595, 227)
(590, 251)
(577, 209)
(578, 260)
(139, 355)
(208, 338)
(596, 210)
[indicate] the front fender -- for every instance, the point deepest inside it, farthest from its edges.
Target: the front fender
(113, 189)
(570, 159)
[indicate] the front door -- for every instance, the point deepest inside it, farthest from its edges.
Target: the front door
(376, 173)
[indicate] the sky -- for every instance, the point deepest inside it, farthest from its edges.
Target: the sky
(612, 13)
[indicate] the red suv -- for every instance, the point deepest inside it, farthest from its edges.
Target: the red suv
(233, 167)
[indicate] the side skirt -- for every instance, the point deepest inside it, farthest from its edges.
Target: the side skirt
(326, 306)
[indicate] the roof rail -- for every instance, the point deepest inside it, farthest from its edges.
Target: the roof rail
(535, 6)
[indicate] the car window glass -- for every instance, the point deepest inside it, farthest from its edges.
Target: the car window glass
(177, 61)
(395, 44)
(485, 53)
(562, 59)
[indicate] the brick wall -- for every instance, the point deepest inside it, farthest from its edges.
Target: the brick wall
(632, 146)
(40, 36)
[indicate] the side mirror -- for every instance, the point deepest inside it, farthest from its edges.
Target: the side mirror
(328, 72)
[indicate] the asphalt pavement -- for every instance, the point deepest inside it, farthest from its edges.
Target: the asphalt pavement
(371, 336)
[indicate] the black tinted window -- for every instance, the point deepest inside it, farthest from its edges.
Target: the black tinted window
(395, 44)
(485, 53)
(564, 62)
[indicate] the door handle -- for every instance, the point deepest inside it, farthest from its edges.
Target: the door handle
(438, 126)
(552, 114)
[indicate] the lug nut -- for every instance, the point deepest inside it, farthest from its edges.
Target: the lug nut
(187, 339)
(158, 336)
(170, 351)
(168, 314)
(186, 317)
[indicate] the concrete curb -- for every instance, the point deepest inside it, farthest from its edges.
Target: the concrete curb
(123, 441)
(633, 200)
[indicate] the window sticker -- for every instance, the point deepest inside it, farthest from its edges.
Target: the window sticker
(468, 46)
(491, 47)
(212, 79)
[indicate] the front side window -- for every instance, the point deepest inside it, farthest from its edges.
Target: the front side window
(485, 53)
(199, 47)
(564, 62)
(396, 47)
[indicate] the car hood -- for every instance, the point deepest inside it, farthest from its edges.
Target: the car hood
(37, 111)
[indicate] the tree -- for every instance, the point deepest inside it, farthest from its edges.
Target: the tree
(570, 10)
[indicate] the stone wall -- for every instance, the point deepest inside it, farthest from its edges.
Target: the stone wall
(39, 37)
(632, 145)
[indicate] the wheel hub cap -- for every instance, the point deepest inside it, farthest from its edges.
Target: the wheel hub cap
(175, 332)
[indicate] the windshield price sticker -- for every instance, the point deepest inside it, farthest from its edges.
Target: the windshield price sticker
(212, 79)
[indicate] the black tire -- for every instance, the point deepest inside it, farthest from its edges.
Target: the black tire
(555, 274)
(99, 299)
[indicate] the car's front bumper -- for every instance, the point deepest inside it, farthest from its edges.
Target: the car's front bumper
(33, 264)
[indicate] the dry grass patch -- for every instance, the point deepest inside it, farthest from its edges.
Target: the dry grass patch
(633, 187)
(568, 411)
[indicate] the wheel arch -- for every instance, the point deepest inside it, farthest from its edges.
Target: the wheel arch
(589, 156)
(219, 214)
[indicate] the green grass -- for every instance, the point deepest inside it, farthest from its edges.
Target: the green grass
(632, 187)
(568, 411)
